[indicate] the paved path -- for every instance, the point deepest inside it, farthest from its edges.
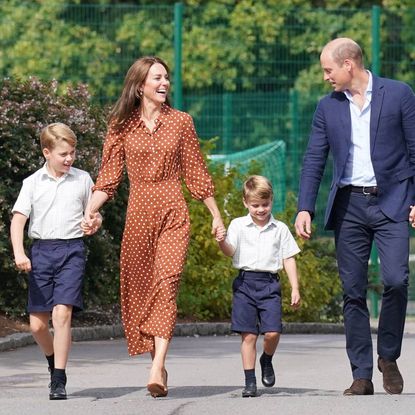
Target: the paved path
(205, 377)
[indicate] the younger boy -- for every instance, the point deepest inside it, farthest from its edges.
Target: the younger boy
(54, 198)
(260, 246)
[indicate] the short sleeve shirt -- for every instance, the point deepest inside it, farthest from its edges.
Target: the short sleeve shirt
(55, 206)
(260, 249)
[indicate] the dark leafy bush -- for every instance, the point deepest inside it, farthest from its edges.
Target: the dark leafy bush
(25, 108)
(205, 294)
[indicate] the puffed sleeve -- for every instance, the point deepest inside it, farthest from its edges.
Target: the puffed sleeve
(112, 165)
(193, 166)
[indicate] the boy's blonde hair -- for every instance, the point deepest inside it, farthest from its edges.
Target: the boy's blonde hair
(55, 133)
(257, 187)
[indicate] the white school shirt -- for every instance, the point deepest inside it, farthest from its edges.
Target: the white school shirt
(260, 249)
(359, 169)
(55, 206)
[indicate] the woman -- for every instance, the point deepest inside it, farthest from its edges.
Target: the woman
(159, 147)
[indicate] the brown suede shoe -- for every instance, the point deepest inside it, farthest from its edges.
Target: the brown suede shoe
(360, 387)
(392, 378)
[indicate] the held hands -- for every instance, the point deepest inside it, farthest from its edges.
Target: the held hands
(295, 299)
(412, 216)
(218, 229)
(91, 222)
(303, 224)
(23, 263)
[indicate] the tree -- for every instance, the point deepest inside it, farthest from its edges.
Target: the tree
(40, 39)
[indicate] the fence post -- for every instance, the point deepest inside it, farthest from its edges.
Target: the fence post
(294, 152)
(374, 256)
(227, 121)
(178, 83)
(376, 40)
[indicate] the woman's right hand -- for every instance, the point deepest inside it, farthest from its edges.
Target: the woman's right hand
(91, 223)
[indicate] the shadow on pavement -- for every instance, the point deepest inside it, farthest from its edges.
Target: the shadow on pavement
(235, 391)
(105, 393)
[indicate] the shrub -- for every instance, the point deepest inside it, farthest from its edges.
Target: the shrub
(320, 286)
(206, 292)
(25, 108)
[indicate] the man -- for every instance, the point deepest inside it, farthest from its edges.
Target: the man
(368, 123)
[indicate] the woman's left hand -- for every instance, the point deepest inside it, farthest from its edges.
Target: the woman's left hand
(218, 229)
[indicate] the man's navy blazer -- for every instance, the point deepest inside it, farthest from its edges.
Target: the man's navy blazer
(392, 147)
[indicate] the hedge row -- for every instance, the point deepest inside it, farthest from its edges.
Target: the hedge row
(205, 292)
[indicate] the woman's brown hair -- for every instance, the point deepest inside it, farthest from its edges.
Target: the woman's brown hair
(130, 97)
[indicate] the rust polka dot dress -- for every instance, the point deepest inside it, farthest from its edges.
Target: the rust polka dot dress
(157, 227)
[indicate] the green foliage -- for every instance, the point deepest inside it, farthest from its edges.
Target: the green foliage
(38, 39)
(206, 292)
(320, 286)
(25, 109)
(228, 44)
(206, 282)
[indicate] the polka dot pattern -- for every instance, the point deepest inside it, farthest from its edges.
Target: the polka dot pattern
(157, 228)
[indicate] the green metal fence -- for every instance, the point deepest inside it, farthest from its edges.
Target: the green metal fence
(248, 75)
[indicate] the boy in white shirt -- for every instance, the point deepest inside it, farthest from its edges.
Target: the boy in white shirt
(54, 198)
(260, 246)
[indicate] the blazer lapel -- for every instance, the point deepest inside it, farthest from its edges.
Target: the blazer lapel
(342, 113)
(375, 110)
(345, 132)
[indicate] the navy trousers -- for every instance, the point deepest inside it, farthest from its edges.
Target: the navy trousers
(358, 222)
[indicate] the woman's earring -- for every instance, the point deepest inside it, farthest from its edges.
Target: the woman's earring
(138, 94)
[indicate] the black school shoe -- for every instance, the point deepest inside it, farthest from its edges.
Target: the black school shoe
(249, 391)
(57, 391)
(267, 373)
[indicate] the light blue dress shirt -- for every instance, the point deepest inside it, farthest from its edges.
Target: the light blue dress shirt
(359, 169)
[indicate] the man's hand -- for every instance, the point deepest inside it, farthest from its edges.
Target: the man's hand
(412, 216)
(303, 224)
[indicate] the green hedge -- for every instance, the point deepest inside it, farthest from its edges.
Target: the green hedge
(25, 108)
(205, 291)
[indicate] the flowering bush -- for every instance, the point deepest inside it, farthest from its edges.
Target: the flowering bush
(25, 108)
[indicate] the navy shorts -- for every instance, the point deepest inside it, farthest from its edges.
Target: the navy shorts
(256, 304)
(58, 267)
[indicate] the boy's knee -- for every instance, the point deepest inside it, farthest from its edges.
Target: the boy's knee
(61, 315)
(39, 322)
(38, 327)
(249, 337)
(271, 335)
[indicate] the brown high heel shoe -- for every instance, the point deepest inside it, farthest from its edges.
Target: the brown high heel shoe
(158, 390)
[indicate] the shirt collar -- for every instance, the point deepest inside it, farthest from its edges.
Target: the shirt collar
(368, 92)
(164, 112)
(370, 83)
(44, 172)
(248, 221)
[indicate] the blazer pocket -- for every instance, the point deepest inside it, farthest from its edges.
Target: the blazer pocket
(405, 174)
